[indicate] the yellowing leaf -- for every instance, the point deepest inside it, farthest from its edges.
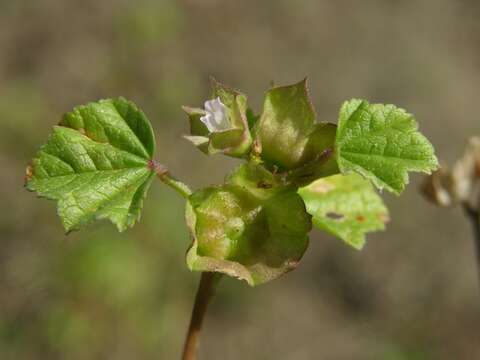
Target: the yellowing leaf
(345, 206)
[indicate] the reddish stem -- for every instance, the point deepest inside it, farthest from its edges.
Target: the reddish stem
(205, 293)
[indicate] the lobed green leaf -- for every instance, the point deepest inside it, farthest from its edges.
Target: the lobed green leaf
(382, 143)
(96, 164)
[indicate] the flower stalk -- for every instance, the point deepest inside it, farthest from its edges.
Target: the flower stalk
(164, 176)
(205, 293)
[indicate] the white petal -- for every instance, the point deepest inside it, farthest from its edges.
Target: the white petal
(209, 105)
(216, 118)
(209, 122)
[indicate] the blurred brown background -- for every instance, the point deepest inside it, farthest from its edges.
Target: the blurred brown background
(410, 294)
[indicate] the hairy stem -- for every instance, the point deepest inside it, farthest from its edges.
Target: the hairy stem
(205, 293)
(167, 179)
(176, 185)
(474, 216)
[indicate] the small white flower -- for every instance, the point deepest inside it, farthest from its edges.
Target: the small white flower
(216, 118)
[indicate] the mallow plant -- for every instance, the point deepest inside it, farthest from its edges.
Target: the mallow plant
(297, 173)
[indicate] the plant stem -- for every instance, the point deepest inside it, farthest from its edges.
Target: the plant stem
(474, 216)
(176, 185)
(205, 293)
(167, 179)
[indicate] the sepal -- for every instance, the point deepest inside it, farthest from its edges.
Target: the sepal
(253, 227)
(222, 127)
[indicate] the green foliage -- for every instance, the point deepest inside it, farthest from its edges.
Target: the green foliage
(381, 142)
(96, 164)
(253, 227)
(345, 206)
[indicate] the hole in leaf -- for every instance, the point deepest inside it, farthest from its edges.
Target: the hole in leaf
(334, 216)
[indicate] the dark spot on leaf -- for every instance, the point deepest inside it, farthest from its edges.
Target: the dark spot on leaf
(334, 216)
(264, 185)
(360, 218)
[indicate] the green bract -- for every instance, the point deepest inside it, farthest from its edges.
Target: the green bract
(96, 164)
(287, 131)
(253, 227)
(381, 142)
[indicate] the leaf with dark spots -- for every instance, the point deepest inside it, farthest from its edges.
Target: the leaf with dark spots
(334, 216)
(345, 206)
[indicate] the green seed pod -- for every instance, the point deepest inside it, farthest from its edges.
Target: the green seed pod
(253, 227)
(222, 127)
